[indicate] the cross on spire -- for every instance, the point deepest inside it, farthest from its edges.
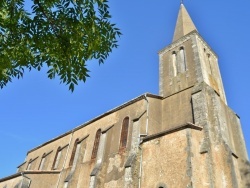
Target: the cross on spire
(181, 1)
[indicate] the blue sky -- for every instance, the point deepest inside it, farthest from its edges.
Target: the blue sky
(35, 109)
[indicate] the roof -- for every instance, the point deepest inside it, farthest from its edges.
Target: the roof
(184, 24)
(99, 117)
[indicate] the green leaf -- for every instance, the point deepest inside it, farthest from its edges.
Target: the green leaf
(61, 34)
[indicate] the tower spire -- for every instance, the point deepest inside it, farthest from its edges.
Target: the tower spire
(184, 24)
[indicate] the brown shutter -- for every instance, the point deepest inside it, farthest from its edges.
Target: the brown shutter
(124, 133)
(96, 144)
(73, 153)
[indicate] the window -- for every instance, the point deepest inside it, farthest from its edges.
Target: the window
(32, 164)
(124, 133)
(174, 57)
(210, 66)
(182, 62)
(65, 184)
(96, 143)
(57, 158)
(29, 165)
(77, 143)
(42, 162)
(161, 185)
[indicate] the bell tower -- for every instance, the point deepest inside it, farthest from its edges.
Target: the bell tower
(192, 90)
(188, 60)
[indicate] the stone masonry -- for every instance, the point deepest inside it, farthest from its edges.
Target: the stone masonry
(185, 137)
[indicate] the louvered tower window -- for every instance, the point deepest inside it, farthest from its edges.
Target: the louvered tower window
(124, 133)
(96, 143)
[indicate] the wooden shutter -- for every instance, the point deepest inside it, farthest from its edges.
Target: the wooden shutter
(96, 143)
(124, 133)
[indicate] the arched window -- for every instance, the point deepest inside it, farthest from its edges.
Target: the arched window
(29, 165)
(124, 133)
(174, 68)
(32, 164)
(42, 162)
(182, 60)
(74, 152)
(96, 143)
(161, 185)
(209, 61)
(57, 158)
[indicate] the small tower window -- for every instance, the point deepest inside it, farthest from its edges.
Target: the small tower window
(96, 143)
(182, 61)
(209, 61)
(73, 155)
(174, 68)
(57, 158)
(124, 133)
(161, 185)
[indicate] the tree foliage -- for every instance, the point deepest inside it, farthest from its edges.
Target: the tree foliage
(59, 34)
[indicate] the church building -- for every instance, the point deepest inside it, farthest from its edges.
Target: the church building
(185, 137)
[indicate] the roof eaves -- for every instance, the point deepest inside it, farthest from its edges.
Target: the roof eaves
(98, 117)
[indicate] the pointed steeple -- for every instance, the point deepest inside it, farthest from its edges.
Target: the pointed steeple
(184, 24)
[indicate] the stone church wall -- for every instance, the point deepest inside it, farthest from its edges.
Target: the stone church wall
(177, 110)
(165, 161)
(108, 169)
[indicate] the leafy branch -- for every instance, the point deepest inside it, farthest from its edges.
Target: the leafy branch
(60, 34)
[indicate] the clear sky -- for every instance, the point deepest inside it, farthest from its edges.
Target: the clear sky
(35, 109)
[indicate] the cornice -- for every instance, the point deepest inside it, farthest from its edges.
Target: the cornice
(20, 174)
(172, 130)
(184, 39)
(99, 117)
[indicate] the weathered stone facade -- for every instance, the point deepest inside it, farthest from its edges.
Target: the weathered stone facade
(185, 137)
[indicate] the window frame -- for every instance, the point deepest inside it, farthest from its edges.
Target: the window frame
(42, 162)
(96, 143)
(124, 133)
(57, 158)
(73, 152)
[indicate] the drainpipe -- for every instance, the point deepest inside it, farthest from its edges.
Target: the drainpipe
(25, 177)
(140, 172)
(57, 184)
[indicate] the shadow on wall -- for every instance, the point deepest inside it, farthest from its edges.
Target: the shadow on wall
(245, 171)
